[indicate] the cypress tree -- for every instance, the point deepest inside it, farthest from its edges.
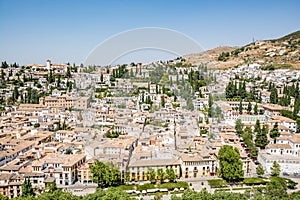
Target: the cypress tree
(249, 108)
(256, 109)
(261, 139)
(27, 189)
(241, 108)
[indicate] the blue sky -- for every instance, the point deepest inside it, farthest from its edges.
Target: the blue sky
(32, 31)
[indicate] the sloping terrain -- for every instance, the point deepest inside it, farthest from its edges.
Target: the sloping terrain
(283, 50)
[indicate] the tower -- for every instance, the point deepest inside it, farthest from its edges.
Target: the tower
(48, 64)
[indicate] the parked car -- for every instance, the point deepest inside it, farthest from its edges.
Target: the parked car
(285, 174)
(296, 174)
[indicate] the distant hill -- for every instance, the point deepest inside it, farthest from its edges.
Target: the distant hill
(284, 50)
(292, 36)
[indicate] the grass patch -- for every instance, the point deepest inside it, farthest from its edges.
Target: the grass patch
(145, 186)
(217, 183)
(172, 186)
(254, 181)
(127, 187)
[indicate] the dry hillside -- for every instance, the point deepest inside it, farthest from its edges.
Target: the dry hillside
(284, 50)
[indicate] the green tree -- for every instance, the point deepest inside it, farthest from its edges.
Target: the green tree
(298, 124)
(210, 103)
(275, 169)
(111, 193)
(158, 196)
(151, 175)
(274, 133)
(231, 165)
(101, 77)
(15, 94)
(2, 75)
(276, 189)
(295, 195)
(58, 81)
(27, 189)
(203, 132)
(239, 127)
(51, 78)
(162, 101)
(257, 128)
(244, 92)
(51, 187)
(230, 90)
(241, 108)
(161, 175)
(69, 151)
(296, 106)
(274, 95)
(259, 98)
(253, 151)
(2, 197)
(260, 170)
(127, 176)
(68, 73)
(256, 109)
(36, 125)
(261, 139)
(249, 108)
(171, 175)
(98, 172)
(56, 195)
(105, 174)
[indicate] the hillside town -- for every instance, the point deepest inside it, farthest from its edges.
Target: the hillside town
(165, 121)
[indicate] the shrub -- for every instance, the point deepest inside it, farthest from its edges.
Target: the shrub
(172, 186)
(217, 183)
(254, 181)
(126, 187)
(145, 186)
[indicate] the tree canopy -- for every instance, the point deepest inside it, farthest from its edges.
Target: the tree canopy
(261, 139)
(260, 170)
(105, 174)
(27, 189)
(274, 133)
(231, 166)
(275, 169)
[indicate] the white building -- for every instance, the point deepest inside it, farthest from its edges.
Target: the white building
(286, 152)
(284, 121)
(288, 163)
